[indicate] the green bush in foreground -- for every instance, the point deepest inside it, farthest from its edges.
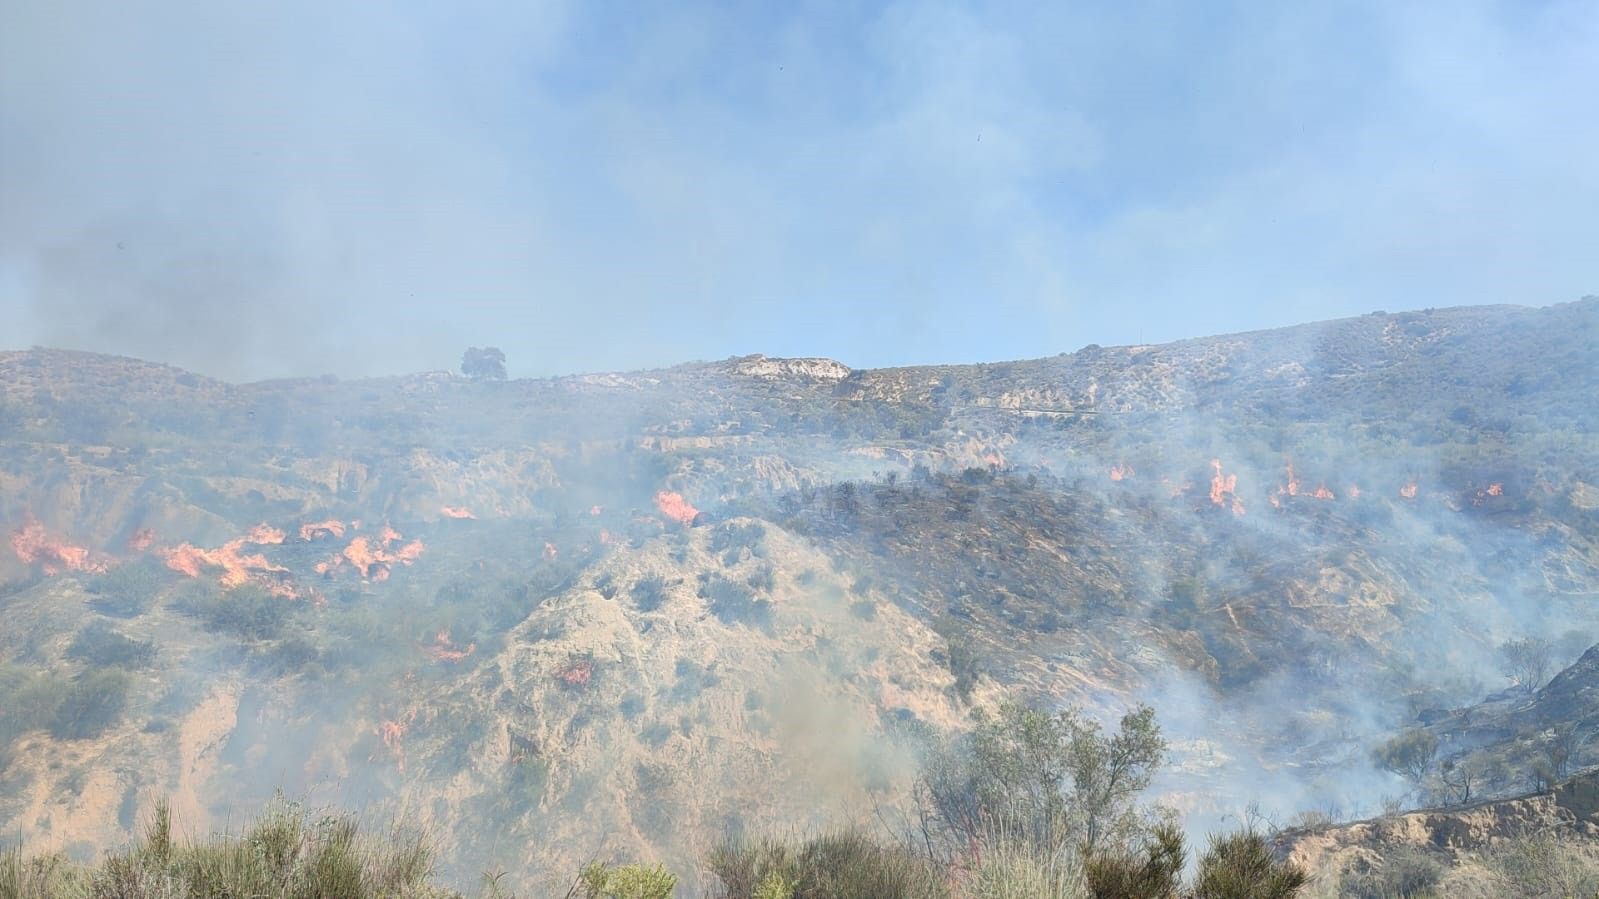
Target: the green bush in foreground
(284, 855)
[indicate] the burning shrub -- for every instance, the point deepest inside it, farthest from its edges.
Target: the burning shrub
(576, 674)
(102, 647)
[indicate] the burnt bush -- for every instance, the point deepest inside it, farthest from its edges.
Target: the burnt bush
(735, 603)
(649, 593)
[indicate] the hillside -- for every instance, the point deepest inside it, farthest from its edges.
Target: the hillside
(635, 612)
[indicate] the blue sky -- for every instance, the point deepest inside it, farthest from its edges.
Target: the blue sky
(257, 190)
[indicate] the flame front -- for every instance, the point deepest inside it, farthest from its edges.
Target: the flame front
(374, 561)
(34, 546)
(320, 529)
(1224, 488)
(675, 507)
(1121, 472)
(237, 568)
(455, 512)
(442, 650)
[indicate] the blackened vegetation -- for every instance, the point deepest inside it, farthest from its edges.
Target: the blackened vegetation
(733, 602)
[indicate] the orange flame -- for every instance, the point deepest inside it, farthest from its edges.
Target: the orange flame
(1225, 487)
(237, 569)
(550, 551)
(374, 562)
(393, 733)
(675, 507)
(1323, 493)
(595, 511)
(34, 546)
(1354, 492)
(1409, 490)
(455, 512)
(576, 674)
(321, 529)
(1496, 490)
(442, 650)
(1121, 472)
(265, 535)
(1292, 487)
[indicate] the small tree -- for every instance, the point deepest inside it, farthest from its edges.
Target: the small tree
(1409, 755)
(1560, 744)
(483, 364)
(1049, 781)
(1526, 662)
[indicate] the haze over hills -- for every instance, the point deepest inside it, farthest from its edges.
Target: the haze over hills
(633, 612)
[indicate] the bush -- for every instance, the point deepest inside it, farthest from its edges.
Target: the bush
(1545, 865)
(1240, 866)
(249, 612)
(284, 854)
(1151, 871)
(735, 603)
(732, 537)
(92, 704)
(1402, 873)
(127, 590)
(103, 647)
(601, 881)
(649, 593)
(1015, 872)
(844, 865)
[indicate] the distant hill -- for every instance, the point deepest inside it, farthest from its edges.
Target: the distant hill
(637, 611)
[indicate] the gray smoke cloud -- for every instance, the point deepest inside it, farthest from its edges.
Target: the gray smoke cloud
(256, 191)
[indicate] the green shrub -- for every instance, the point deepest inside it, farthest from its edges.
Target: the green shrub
(1241, 866)
(1151, 871)
(1402, 873)
(127, 590)
(1545, 865)
(1014, 871)
(844, 865)
(101, 646)
(248, 612)
(601, 881)
(94, 702)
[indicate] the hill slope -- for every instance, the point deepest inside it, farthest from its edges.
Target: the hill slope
(733, 594)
